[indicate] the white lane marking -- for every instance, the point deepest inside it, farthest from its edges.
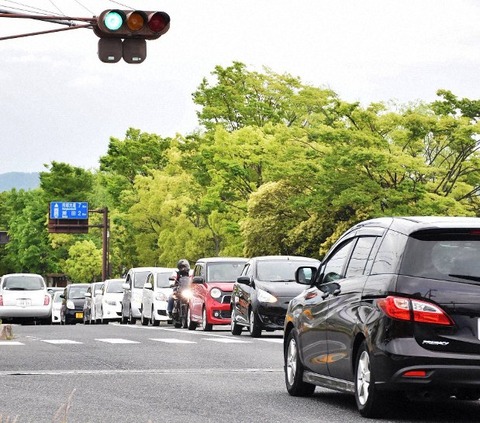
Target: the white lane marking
(138, 371)
(116, 341)
(60, 341)
(273, 340)
(228, 341)
(10, 343)
(172, 341)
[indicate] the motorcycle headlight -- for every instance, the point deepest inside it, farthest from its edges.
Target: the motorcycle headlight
(215, 293)
(265, 297)
(70, 305)
(187, 294)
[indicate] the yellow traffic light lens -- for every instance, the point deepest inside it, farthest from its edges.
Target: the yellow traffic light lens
(113, 20)
(135, 21)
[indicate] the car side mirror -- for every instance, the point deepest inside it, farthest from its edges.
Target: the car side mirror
(148, 285)
(88, 294)
(198, 279)
(126, 286)
(245, 280)
(305, 275)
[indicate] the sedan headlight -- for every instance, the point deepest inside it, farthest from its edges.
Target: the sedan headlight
(215, 293)
(70, 305)
(265, 297)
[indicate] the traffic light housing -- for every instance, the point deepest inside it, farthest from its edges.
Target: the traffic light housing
(147, 25)
(123, 33)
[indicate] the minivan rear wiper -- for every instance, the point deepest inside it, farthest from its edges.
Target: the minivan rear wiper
(468, 277)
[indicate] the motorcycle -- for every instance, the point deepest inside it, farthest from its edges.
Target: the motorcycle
(181, 296)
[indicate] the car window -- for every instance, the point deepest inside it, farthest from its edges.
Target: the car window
(115, 287)
(23, 283)
(447, 255)
(224, 272)
(78, 292)
(390, 253)
(360, 256)
(279, 271)
(140, 278)
(163, 279)
(198, 270)
(333, 268)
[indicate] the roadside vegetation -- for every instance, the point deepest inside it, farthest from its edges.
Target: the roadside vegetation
(276, 167)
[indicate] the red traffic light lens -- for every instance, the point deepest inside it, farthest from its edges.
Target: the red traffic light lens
(158, 21)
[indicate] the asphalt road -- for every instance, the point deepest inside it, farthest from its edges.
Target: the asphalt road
(122, 373)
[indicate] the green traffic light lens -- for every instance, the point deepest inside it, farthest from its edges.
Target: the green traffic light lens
(113, 21)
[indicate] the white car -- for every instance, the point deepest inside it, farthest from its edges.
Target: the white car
(24, 298)
(108, 305)
(56, 306)
(90, 313)
(155, 294)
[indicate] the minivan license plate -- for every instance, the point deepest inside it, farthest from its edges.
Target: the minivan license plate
(24, 302)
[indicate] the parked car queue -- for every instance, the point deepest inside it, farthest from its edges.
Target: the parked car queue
(391, 313)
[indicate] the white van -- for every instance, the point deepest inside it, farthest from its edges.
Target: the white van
(132, 293)
(155, 294)
(24, 298)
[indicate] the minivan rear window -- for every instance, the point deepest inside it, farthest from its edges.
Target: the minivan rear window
(448, 255)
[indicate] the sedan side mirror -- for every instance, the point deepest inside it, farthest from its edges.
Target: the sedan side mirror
(305, 275)
(148, 285)
(126, 286)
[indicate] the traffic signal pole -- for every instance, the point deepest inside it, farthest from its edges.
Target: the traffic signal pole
(105, 241)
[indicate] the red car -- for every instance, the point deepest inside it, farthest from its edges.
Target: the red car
(212, 285)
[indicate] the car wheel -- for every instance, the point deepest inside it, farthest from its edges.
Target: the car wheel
(370, 402)
(235, 328)
(123, 319)
(255, 329)
(294, 370)
(143, 321)
(205, 326)
(131, 319)
(154, 321)
(190, 324)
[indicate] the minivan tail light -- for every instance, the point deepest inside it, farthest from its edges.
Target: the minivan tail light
(1, 300)
(46, 300)
(414, 310)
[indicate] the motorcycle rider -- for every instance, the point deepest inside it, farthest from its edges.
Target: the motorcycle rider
(179, 276)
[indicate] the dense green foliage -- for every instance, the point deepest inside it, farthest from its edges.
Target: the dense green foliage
(280, 168)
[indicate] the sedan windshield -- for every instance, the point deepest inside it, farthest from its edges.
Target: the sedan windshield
(115, 286)
(224, 272)
(163, 280)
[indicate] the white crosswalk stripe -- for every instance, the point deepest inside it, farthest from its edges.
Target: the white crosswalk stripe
(117, 341)
(10, 343)
(60, 341)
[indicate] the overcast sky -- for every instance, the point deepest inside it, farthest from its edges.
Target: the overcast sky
(59, 102)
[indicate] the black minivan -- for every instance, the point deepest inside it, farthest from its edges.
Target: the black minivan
(393, 307)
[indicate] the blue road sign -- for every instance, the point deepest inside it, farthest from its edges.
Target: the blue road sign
(68, 210)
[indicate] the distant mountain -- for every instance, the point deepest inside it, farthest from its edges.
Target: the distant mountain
(19, 180)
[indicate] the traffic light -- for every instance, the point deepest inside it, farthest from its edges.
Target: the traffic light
(125, 24)
(123, 33)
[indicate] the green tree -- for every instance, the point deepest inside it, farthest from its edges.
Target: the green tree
(84, 264)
